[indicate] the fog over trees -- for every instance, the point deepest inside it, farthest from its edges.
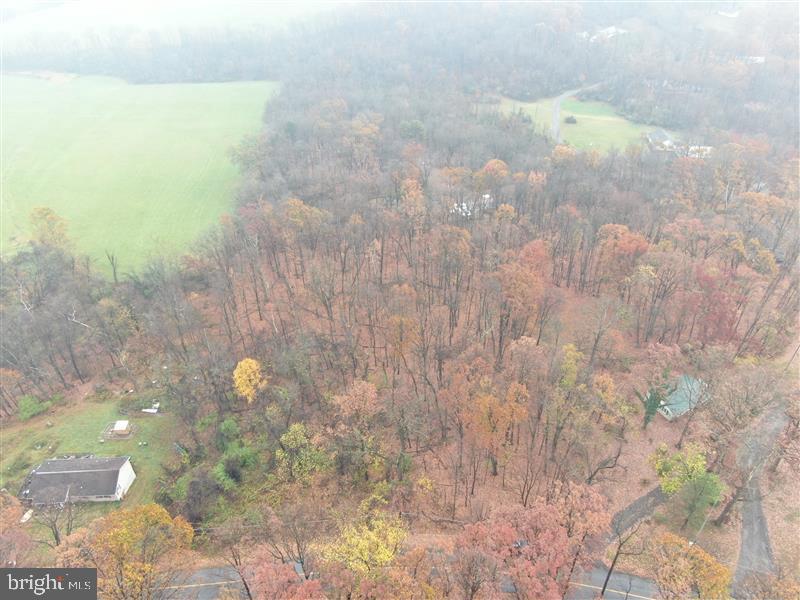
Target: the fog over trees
(423, 353)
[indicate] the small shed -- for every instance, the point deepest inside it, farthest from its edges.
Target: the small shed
(121, 428)
(688, 393)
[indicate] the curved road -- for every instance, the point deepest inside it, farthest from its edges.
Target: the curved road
(587, 585)
(209, 583)
(555, 126)
(755, 554)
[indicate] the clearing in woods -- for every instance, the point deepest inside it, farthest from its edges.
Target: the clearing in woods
(598, 125)
(78, 429)
(136, 170)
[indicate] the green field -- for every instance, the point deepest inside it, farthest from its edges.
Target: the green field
(137, 170)
(598, 125)
(78, 429)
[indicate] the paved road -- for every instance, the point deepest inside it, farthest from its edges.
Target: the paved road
(755, 553)
(207, 584)
(621, 585)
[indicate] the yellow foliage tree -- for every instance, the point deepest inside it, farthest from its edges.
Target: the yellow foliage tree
(682, 568)
(248, 379)
(675, 470)
(369, 546)
(134, 550)
(48, 227)
(505, 213)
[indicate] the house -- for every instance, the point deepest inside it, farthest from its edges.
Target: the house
(608, 33)
(752, 60)
(688, 393)
(660, 140)
(698, 151)
(79, 479)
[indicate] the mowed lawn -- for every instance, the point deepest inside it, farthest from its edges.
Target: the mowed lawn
(136, 170)
(78, 429)
(598, 125)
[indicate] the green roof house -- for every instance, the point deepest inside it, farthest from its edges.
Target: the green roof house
(688, 393)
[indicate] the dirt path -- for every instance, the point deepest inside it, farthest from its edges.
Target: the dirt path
(755, 554)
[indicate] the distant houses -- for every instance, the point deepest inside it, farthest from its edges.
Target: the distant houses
(697, 151)
(752, 60)
(608, 33)
(79, 479)
(474, 208)
(603, 34)
(661, 140)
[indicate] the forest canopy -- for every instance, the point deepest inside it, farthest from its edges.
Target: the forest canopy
(428, 350)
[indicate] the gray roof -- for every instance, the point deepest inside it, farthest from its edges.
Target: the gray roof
(659, 136)
(688, 393)
(55, 479)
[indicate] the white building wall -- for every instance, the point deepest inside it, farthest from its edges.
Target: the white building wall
(124, 480)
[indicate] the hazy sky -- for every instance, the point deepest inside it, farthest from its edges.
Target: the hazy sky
(23, 19)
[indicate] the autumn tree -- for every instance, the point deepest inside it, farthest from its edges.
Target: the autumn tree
(677, 469)
(49, 228)
(15, 542)
(134, 550)
(248, 379)
(540, 546)
(585, 518)
(697, 496)
(279, 581)
(618, 253)
(682, 569)
(782, 585)
(367, 546)
(358, 448)
(298, 457)
(269, 579)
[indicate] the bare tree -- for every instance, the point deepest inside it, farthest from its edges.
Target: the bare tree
(623, 537)
(59, 518)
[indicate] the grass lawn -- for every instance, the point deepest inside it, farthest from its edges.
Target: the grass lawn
(137, 170)
(598, 125)
(78, 429)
